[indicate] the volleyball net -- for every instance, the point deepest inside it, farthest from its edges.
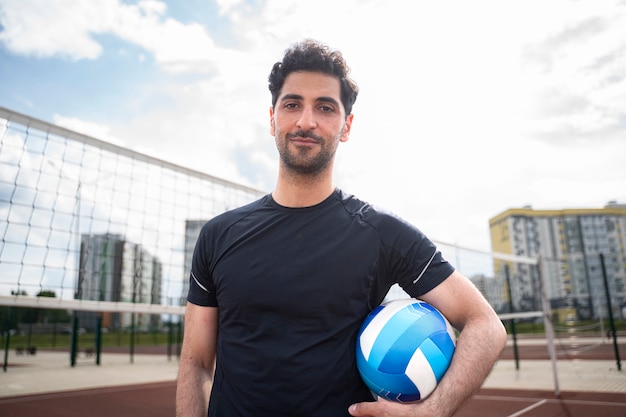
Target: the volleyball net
(87, 225)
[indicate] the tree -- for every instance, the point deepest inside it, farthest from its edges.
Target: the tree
(50, 315)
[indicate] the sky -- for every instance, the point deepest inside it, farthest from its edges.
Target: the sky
(466, 108)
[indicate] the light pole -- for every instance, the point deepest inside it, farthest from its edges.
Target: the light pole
(79, 281)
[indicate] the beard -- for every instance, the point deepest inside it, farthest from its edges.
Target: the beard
(304, 160)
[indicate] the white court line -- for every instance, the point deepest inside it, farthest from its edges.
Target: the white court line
(506, 398)
(530, 407)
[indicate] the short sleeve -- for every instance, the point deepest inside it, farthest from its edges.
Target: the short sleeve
(201, 287)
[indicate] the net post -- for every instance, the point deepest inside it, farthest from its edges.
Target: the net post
(507, 277)
(7, 340)
(547, 320)
(98, 340)
(610, 308)
(74, 341)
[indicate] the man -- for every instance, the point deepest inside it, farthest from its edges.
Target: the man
(280, 287)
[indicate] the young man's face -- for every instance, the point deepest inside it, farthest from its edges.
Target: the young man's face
(308, 121)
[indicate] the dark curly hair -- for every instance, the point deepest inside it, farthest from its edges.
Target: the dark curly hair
(311, 55)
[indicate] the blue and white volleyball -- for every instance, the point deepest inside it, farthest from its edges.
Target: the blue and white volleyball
(404, 348)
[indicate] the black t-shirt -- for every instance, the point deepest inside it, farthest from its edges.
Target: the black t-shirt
(293, 286)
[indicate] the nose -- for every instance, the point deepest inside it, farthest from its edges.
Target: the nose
(306, 121)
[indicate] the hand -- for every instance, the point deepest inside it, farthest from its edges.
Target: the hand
(384, 408)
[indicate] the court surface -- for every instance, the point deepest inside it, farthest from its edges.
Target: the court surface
(157, 400)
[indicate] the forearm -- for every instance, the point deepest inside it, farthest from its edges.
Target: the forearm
(192, 390)
(197, 361)
(478, 347)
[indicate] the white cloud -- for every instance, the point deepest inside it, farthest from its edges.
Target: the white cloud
(95, 130)
(66, 28)
(178, 47)
(575, 72)
(54, 27)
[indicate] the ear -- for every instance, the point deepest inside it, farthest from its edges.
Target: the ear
(272, 128)
(345, 135)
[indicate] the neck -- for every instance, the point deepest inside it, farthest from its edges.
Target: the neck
(294, 190)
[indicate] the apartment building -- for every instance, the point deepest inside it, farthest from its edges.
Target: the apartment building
(582, 255)
(113, 269)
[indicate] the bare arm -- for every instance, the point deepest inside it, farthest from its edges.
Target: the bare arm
(479, 345)
(197, 361)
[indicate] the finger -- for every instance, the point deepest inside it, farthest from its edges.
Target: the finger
(362, 409)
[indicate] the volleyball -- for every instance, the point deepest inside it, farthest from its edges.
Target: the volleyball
(404, 348)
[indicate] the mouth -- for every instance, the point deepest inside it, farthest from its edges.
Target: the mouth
(303, 137)
(300, 139)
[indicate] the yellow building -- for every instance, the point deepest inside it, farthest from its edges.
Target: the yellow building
(572, 245)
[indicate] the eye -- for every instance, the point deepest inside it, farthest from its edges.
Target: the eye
(291, 105)
(327, 109)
